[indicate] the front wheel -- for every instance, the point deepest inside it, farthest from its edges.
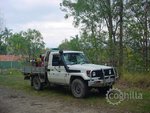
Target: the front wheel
(36, 83)
(79, 88)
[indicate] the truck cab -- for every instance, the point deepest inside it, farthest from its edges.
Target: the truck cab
(62, 67)
(72, 68)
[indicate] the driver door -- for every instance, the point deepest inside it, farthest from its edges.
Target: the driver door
(57, 72)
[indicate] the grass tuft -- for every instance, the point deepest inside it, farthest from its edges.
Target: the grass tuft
(136, 80)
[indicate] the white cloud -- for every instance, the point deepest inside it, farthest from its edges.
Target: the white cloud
(43, 15)
(31, 4)
(53, 32)
(39, 2)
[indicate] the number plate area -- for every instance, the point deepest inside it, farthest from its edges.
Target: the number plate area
(108, 80)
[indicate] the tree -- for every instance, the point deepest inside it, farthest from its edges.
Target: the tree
(4, 36)
(26, 43)
(35, 43)
(94, 16)
(112, 30)
(17, 45)
(138, 19)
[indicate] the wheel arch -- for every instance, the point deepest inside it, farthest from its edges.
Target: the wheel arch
(73, 77)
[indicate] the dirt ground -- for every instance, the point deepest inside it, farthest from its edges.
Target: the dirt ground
(14, 101)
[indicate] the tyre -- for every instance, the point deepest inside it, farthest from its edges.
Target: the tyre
(36, 83)
(103, 90)
(79, 88)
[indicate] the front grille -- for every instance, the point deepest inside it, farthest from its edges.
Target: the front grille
(103, 73)
(112, 76)
(109, 71)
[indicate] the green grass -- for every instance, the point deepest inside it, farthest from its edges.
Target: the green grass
(140, 80)
(14, 79)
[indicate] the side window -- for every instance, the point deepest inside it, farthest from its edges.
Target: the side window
(55, 61)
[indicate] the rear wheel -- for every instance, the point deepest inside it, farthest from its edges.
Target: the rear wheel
(79, 88)
(36, 83)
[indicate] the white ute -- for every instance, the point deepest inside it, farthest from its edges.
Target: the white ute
(71, 68)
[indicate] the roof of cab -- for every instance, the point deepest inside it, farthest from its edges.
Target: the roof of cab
(56, 52)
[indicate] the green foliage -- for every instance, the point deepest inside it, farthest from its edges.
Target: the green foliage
(138, 31)
(26, 43)
(35, 43)
(4, 36)
(113, 32)
(16, 45)
(73, 44)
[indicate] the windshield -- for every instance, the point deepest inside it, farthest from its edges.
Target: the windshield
(75, 58)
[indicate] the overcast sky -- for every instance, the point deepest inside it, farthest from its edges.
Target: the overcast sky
(43, 15)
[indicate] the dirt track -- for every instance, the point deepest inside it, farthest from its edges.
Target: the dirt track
(12, 101)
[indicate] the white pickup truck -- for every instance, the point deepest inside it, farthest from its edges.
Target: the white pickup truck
(71, 68)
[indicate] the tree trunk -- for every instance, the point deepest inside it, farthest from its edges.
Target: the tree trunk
(146, 37)
(110, 29)
(121, 39)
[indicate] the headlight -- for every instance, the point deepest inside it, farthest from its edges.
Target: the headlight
(94, 74)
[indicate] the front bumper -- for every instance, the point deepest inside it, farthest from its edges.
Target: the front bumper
(96, 82)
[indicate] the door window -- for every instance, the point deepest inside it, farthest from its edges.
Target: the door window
(55, 61)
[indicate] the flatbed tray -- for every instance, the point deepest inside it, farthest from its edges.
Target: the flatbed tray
(33, 70)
